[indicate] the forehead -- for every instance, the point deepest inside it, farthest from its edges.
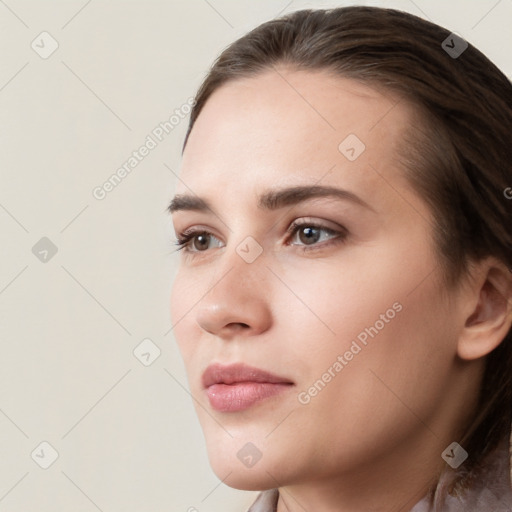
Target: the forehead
(292, 127)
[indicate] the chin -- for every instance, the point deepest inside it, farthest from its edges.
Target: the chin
(245, 479)
(236, 469)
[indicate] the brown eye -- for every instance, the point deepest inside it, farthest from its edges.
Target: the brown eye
(200, 241)
(312, 236)
(309, 235)
(194, 241)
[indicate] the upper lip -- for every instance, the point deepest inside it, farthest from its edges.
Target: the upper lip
(238, 372)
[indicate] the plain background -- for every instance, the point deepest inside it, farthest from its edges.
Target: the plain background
(126, 434)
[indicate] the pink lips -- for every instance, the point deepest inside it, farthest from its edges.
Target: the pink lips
(236, 387)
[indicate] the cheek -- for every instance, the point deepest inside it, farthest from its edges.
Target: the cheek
(181, 302)
(396, 348)
(334, 302)
(176, 302)
(388, 321)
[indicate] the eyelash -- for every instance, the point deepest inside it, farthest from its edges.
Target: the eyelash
(184, 239)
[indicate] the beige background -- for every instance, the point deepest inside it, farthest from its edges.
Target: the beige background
(126, 434)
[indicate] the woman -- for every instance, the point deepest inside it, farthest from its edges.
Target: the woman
(343, 302)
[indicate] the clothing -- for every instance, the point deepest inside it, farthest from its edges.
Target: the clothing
(491, 490)
(265, 502)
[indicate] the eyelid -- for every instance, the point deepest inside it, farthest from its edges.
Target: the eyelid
(318, 223)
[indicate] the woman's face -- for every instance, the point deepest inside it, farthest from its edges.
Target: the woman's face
(346, 310)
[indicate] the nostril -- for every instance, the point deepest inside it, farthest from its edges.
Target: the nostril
(241, 324)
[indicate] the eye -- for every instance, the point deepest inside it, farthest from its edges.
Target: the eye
(197, 239)
(310, 234)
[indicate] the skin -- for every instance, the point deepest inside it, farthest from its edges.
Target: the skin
(372, 438)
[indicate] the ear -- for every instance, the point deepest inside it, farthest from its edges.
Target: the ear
(489, 310)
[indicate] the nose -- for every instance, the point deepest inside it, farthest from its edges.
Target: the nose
(236, 300)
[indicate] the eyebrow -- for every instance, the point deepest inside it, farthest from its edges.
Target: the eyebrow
(272, 199)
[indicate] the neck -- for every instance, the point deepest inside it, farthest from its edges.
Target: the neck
(391, 483)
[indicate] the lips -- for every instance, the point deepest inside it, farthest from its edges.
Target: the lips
(230, 374)
(237, 386)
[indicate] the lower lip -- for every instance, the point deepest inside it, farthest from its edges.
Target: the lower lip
(241, 395)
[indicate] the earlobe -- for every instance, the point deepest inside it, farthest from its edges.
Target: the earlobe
(490, 318)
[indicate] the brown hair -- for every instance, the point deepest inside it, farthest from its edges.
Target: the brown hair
(459, 158)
